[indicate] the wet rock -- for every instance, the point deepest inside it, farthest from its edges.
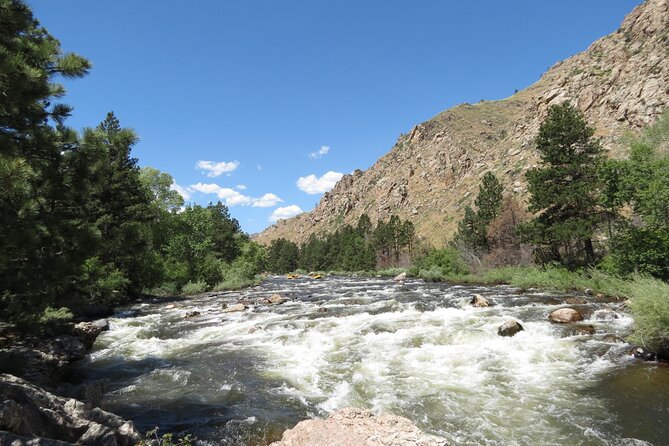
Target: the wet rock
(580, 330)
(611, 338)
(509, 328)
(358, 427)
(400, 277)
(575, 301)
(234, 308)
(191, 314)
(88, 332)
(479, 301)
(68, 348)
(27, 410)
(276, 299)
(322, 310)
(644, 353)
(565, 316)
(588, 291)
(606, 314)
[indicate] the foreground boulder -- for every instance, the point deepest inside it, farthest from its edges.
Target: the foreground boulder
(358, 427)
(88, 332)
(565, 316)
(29, 411)
(509, 328)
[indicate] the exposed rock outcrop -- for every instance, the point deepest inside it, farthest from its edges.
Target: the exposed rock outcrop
(29, 411)
(357, 427)
(621, 83)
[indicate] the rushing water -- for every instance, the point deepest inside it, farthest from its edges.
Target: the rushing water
(417, 350)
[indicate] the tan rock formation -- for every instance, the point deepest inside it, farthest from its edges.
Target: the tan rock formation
(357, 427)
(621, 82)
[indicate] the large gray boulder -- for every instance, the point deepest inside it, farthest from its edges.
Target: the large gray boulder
(29, 411)
(358, 427)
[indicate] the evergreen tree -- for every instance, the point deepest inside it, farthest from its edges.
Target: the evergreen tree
(565, 189)
(473, 228)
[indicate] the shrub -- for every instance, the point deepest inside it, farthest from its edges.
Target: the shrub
(237, 283)
(194, 288)
(448, 261)
(52, 315)
(165, 289)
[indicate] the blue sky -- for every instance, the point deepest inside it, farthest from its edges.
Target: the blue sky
(263, 104)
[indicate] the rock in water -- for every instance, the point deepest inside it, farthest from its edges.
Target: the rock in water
(611, 338)
(357, 427)
(191, 314)
(565, 316)
(645, 354)
(27, 411)
(276, 299)
(575, 301)
(400, 277)
(479, 301)
(234, 308)
(509, 328)
(88, 332)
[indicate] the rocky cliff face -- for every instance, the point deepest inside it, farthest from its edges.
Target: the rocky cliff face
(621, 83)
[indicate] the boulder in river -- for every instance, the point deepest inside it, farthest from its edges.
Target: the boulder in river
(88, 332)
(234, 308)
(479, 301)
(606, 314)
(611, 338)
(565, 316)
(401, 277)
(191, 314)
(509, 328)
(575, 301)
(644, 353)
(30, 415)
(580, 330)
(358, 427)
(276, 299)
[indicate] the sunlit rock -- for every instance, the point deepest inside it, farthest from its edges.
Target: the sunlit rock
(565, 316)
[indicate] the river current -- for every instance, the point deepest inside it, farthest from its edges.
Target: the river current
(416, 349)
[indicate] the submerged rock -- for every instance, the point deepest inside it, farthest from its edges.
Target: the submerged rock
(509, 328)
(580, 330)
(613, 339)
(276, 299)
(234, 308)
(644, 353)
(606, 314)
(575, 301)
(30, 411)
(479, 301)
(565, 316)
(191, 314)
(358, 427)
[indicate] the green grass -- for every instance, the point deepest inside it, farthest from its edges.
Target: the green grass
(649, 303)
(194, 288)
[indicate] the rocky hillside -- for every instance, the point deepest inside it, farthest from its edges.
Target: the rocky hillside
(621, 82)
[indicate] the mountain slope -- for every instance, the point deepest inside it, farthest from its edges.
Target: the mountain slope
(621, 83)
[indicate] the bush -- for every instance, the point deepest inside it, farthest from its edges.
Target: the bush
(447, 260)
(649, 304)
(165, 289)
(103, 283)
(194, 288)
(237, 283)
(56, 316)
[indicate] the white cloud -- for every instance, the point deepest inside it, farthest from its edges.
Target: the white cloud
(321, 152)
(185, 192)
(232, 197)
(285, 212)
(240, 187)
(215, 169)
(266, 201)
(314, 185)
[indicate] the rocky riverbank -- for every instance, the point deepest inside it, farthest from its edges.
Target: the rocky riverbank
(38, 408)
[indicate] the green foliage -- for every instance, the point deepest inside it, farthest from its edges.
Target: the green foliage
(472, 231)
(103, 283)
(640, 242)
(439, 263)
(52, 315)
(282, 256)
(194, 288)
(565, 189)
(151, 438)
(160, 183)
(649, 304)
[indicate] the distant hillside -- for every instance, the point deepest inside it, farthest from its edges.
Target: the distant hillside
(621, 82)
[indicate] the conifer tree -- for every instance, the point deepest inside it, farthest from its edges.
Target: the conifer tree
(565, 189)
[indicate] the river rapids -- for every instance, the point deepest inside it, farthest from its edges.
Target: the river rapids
(416, 349)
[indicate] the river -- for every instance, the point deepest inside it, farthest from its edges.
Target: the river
(418, 350)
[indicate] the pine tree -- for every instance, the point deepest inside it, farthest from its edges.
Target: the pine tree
(565, 189)
(473, 228)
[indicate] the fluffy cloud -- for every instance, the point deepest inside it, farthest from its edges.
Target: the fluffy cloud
(314, 185)
(285, 212)
(185, 192)
(240, 187)
(232, 197)
(215, 169)
(322, 151)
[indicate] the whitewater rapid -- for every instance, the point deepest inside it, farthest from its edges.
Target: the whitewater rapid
(418, 350)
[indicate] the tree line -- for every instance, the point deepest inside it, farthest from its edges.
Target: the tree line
(363, 247)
